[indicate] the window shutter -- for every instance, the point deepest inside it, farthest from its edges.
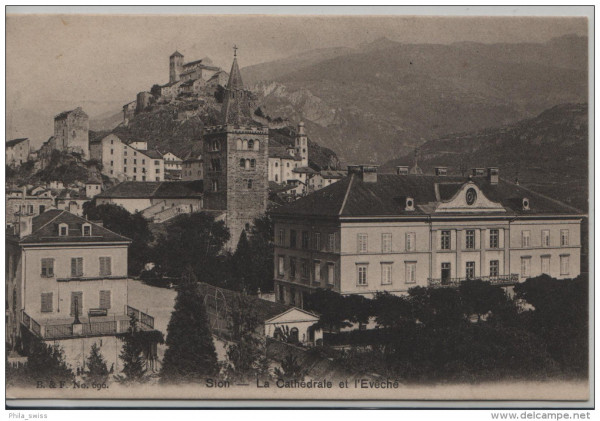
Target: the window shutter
(46, 302)
(73, 267)
(105, 299)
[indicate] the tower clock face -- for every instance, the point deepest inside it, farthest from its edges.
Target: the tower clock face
(471, 196)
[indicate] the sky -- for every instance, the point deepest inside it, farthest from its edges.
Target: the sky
(100, 62)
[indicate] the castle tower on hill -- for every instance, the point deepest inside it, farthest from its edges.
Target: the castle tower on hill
(175, 66)
(236, 161)
(301, 145)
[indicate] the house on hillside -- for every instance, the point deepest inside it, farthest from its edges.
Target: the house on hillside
(26, 200)
(17, 152)
(373, 232)
(71, 132)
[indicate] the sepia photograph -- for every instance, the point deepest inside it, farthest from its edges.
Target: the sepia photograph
(331, 209)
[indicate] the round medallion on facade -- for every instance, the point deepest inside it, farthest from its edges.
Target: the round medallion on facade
(471, 196)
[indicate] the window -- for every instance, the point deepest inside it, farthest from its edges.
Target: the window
(252, 163)
(293, 302)
(215, 185)
(331, 242)
(292, 267)
(525, 239)
(143, 162)
(87, 230)
(112, 153)
(104, 300)
(470, 239)
(305, 269)
(545, 238)
(63, 229)
(445, 245)
(47, 268)
(156, 162)
(135, 160)
(305, 239)
(362, 243)
(281, 266)
(242, 163)
(411, 272)
(249, 184)
(386, 273)
(361, 271)
(105, 266)
(525, 267)
(76, 303)
(411, 241)
(281, 294)
(330, 273)
(494, 238)
(386, 243)
(125, 161)
(135, 169)
(124, 169)
(77, 266)
(470, 270)
(317, 271)
(158, 171)
(282, 237)
(251, 144)
(564, 264)
(494, 268)
(317, 240)
(111, 163)
(46, 302)
(135, 176)
(292, 238)
(545, 264)
(564, 238)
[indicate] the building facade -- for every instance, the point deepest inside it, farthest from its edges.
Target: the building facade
(172, 162)
(66, 283)
(25, 201)
(17, 152)
(71, 132)
(369, 233)
(122, 161)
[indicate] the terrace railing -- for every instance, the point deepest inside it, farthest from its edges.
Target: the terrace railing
(500, 280)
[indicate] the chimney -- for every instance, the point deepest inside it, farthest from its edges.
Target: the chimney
(441, 171)
(25, 225)
(367, 173)
(402, 170)
(493, 175)
(477, 172)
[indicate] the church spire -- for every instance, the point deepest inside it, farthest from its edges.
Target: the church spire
(235, 77)
(236, 101)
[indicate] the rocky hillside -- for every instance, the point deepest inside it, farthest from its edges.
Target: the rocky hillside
(385, 98)
(177, 127)
(548, 153)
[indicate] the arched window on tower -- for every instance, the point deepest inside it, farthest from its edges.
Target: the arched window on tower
(252, 163)
(247, 164)
(242, 163)
(238, 144)
(251, 144)
(245, 147)
(249, 184)
(256, 145)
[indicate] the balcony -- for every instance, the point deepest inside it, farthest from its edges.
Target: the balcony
(105, 325)
(500, 280)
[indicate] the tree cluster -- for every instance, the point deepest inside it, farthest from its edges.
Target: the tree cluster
(474, 332)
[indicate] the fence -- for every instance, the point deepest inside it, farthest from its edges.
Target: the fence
(142, 317)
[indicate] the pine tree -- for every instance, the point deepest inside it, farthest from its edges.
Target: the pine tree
(134, 363)
(190, 354)
(247, 354)
(96, 372)
(45, 363)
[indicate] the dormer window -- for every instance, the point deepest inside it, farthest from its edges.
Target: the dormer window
(525, 203)
(86, 230)
(410, 204)
(63, 230)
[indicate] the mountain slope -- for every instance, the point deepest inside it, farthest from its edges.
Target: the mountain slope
(386, 98)
(548, 153)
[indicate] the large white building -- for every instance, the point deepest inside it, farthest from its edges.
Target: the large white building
(375, 232)
(125, 162)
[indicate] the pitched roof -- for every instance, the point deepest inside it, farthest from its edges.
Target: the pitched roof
(65, 114)
(353, 197)
(235, 77)
(45, 230)
(280, 152)
(14, 142)
(176, 54)
(155, 189)
(151, 153)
